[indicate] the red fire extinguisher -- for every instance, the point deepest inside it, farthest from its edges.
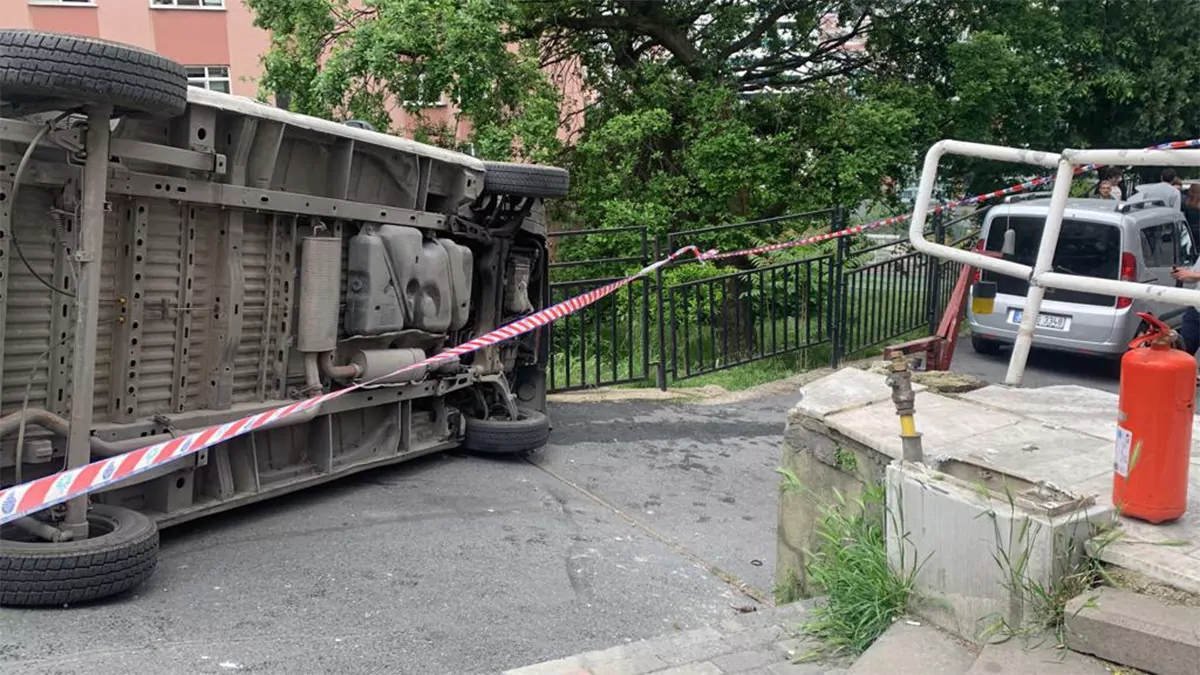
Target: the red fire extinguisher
(1154, 426)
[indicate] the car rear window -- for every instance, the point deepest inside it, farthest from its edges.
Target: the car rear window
(1084, 248)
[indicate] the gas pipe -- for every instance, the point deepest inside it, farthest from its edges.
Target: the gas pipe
(1154, 426)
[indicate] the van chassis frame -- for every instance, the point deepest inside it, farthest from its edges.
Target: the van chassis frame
(255, 144)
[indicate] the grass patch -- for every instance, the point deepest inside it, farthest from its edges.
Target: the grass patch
(756, 373)
(1039, 608)
(864, 593)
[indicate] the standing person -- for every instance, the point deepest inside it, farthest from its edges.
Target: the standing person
(1164, 190)
(1189, 329)
(1191, 211)
(1113, 175)
(1105, 190)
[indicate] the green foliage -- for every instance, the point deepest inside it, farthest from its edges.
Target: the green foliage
(342, 59)
(702, 112)
(864, 593)
(1048, 74)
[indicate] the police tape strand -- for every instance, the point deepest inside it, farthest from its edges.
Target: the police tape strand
(896, 220)
(27, 498)
(22, 500)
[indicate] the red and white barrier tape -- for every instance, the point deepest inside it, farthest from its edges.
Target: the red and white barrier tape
(22, 500)
(895, 220)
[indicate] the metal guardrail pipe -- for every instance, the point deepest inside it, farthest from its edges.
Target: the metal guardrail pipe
(1134, 157)
(916, 226)
(1040, 276)
(1043, 264)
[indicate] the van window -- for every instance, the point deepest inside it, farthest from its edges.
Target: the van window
(1084, 248)
(1159, 245)
(1187, 246)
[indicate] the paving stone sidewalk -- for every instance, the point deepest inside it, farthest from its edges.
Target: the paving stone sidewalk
(766, 642)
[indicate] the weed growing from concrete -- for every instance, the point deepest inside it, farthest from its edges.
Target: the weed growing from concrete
(1037, 608)
(864, 593)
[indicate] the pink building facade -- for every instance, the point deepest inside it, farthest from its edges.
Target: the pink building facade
(217, 41)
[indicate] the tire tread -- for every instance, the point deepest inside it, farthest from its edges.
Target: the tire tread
(525, 180)
(121, 561)
(68, 67)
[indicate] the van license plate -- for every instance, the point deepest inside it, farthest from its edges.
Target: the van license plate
(1047, 321)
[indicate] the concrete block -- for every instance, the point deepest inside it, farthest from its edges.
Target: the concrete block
(942, 422)
(1135, 630)
(1082, 409)
(739, 662)
(847, 388)
(956, 526)
(1040, 655)
(905, 649)
(1058, 456)
(826, 466)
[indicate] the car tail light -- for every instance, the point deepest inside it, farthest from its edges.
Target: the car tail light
(1128, 273)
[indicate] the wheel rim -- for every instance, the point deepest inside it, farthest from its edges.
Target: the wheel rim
(99, 525)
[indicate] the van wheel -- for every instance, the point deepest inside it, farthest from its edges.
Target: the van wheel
(529, 431)
(48, 71)
(525, 180)
(982, 345)
(120, 554)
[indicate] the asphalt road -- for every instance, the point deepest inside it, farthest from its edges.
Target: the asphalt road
(1044, 368)
(634, 522)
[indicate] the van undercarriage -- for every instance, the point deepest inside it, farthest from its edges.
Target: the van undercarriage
(176, 258)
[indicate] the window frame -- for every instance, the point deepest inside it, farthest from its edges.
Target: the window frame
(1151, 239)
(174, 4)
(209, 78)
(62, 3)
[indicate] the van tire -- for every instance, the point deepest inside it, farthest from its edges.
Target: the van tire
(50, 71)
(525, 180)
(38, 574)
(529, 431)
(982, 345)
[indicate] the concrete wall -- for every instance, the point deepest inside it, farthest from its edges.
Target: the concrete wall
(831, 469)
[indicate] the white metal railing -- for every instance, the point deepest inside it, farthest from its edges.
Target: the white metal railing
(1040, 276)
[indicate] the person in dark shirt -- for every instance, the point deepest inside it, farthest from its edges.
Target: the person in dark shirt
(1191, 211)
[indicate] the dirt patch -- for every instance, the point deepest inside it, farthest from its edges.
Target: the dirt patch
(942, 381)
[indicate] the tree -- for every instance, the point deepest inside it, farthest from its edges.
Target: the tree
(707, 111)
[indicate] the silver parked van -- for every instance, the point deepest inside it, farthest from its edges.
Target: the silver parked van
(1099, 238)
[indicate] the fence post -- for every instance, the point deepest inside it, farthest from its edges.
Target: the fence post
(933, 304)
(836, 292)
(660, 372)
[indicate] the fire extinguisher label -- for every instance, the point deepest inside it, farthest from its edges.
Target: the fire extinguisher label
(1124, 447)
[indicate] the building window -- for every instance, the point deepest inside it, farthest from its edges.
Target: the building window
(84, 3)
(189, 4)
(215, 78)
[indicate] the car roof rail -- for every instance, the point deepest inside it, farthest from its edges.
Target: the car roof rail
(1126, 207)
(1026, 196)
